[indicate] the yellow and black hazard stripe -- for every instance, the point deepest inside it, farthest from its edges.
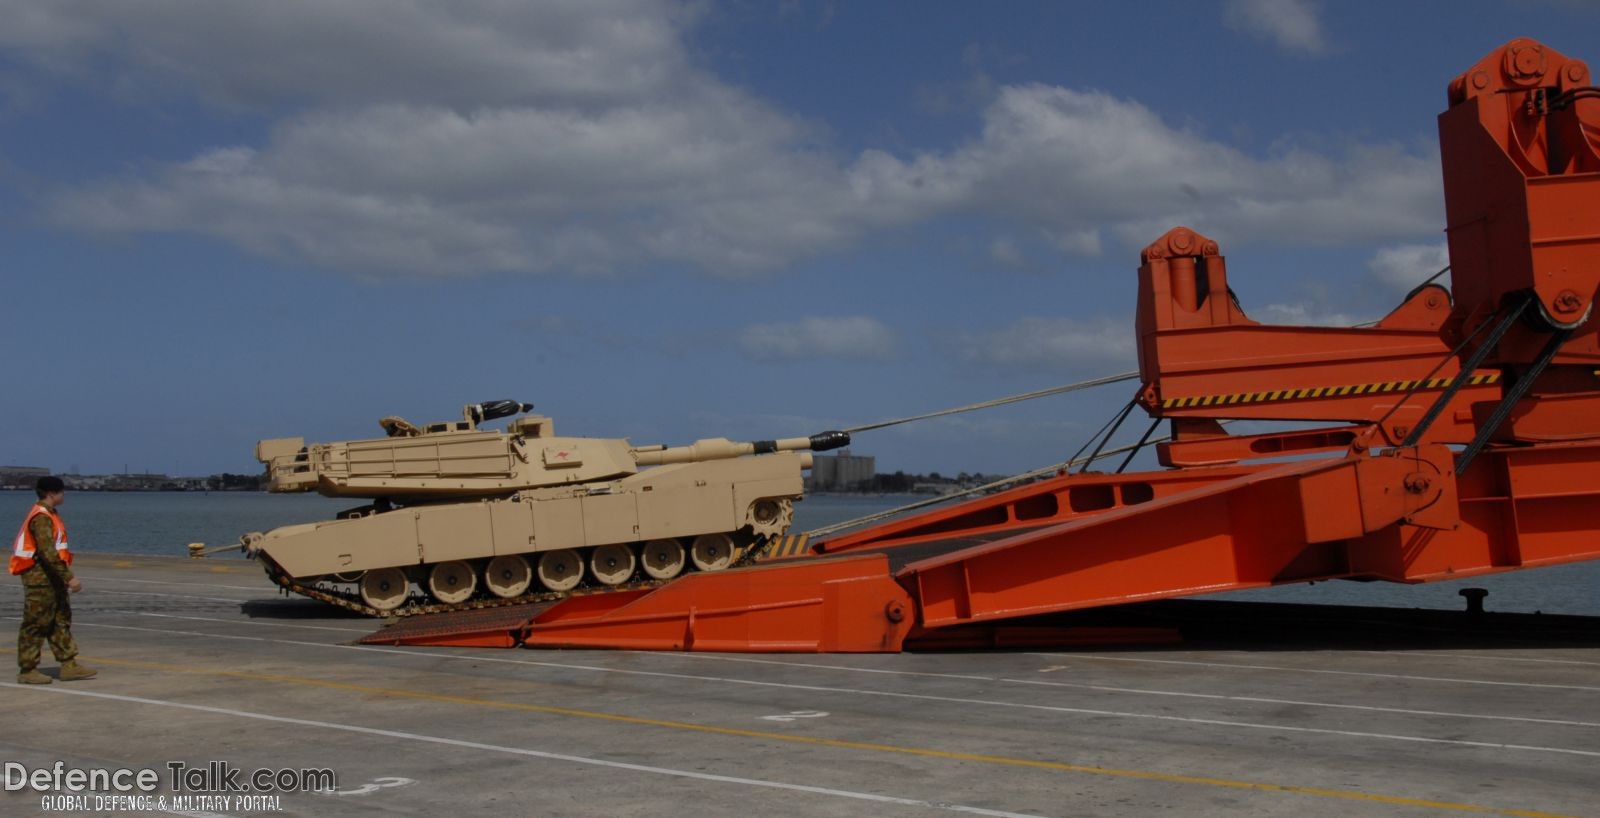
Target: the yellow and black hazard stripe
(789, 545)
(1307, 393)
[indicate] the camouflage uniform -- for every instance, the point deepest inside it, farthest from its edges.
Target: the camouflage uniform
(46, 611)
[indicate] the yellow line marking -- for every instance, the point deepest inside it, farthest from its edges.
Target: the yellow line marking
(93, 561)
(1319, 391)
(789, 545)
(1146, 775)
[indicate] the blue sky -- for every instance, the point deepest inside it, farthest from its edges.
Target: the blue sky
(223, 222)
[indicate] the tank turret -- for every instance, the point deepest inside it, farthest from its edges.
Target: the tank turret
(454, 459)
(475, 516)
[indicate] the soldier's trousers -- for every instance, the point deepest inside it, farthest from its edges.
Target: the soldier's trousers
(46, 615)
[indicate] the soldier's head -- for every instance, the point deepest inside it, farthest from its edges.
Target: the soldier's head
(51, 490)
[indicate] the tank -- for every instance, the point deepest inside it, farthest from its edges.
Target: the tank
(462, 516)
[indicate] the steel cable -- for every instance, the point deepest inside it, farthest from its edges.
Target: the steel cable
(973, 407)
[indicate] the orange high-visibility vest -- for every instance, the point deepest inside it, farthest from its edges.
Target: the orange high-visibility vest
(22, 551)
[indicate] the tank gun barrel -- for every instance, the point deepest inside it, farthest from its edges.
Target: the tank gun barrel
(720, 448)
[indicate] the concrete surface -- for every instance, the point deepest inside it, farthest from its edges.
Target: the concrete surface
(1315, 716)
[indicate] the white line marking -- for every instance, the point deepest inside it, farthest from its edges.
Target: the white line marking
(794, 715)
(1264, 700)
(522, 751)
(262, 587)
(883, 693)
(372, 786)
(244, 622)
(98, 591)
(1232, 666)
(169, 632)
(783, 663)
(1480, 657)
(1394, 653)
(1080, 686)
(1113, 689)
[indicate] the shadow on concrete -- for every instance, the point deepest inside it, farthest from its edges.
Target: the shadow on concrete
(1274, 626)
(297, 608)
(1195, 624)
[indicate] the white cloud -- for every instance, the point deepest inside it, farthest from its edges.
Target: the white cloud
(424, 139)
(465, 54)
(1076, 162)
(1303, 315)
(1053, 344)
(1402, 267)
(1394, 270)
(1081, 242)
(1293, 25)
(427, 190)
(1006, 252)
(855, 338)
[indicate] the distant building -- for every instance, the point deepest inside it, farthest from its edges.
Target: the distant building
(21, 476)
(841, 472)
(24, 477)
(138, 482)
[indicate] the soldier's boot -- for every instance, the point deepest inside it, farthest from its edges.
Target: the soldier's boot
(32, 677)
(71, 671)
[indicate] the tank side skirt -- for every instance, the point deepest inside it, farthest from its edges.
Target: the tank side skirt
(748, 554)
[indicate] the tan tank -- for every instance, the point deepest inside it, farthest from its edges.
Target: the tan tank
(475, 517)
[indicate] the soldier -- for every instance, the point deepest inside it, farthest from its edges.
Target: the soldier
(44, 561)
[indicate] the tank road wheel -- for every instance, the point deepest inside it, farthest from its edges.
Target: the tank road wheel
(560, 570)
(612, 564)
(712, 552)
(452, 582)
(508, 576)
(663, 559)
(349, 576)
(384, 589)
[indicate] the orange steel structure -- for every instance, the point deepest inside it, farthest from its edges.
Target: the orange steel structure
(1465, 435)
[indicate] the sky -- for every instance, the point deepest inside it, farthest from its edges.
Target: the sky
(226, 221)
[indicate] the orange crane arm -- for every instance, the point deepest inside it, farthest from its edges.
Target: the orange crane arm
(1507, 368)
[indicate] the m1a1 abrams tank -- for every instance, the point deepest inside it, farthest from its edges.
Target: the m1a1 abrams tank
(475, 517)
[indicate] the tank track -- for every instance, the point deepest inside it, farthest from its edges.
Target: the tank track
(354, 603)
